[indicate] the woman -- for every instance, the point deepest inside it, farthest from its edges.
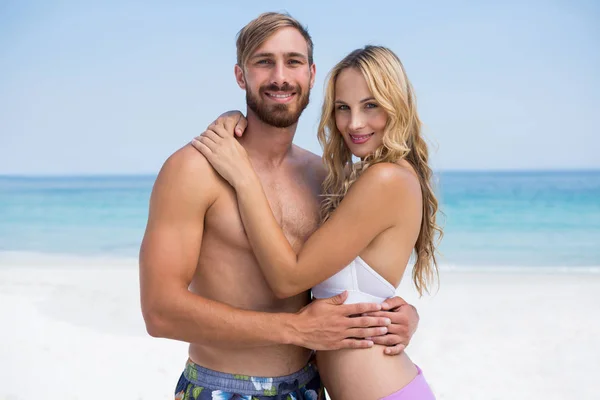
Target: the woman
(375, 214)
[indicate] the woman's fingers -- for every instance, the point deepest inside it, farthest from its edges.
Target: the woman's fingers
(211, 135)
(202, 148)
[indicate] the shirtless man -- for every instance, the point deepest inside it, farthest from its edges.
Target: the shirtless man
(200, 282)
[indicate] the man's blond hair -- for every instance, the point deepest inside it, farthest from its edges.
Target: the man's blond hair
(257, 31)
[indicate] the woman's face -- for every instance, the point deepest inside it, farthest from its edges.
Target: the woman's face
(357, 115)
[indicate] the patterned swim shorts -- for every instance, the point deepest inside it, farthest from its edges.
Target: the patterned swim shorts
(199, 383)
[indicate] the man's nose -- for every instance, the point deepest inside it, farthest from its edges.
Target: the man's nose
(279, 76)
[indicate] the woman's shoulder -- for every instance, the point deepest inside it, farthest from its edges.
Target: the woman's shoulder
(389, 188)
(394, 176)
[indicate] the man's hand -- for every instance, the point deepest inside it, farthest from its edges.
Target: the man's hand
(233, 121)
(405, 320)
(329, 324)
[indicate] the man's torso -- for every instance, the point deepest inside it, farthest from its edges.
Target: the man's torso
(228, 272)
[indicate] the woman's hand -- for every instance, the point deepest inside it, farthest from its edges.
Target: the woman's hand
(233, 121)
(225, 154)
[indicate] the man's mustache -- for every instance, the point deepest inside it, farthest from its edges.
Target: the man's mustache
(286, 87)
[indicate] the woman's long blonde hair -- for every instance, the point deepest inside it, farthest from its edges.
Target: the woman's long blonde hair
(402, 139)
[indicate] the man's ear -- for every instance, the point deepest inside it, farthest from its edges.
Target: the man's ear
(313, 72)
(239, 76)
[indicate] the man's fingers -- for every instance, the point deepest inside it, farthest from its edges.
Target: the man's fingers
(388, 340)
(385, 314)
(366, 322)
(356, 344)
(338, 299)
(360, 308)
(366, 333)
(392, 302)
(396, 317)
(394, 350)
(399, 329)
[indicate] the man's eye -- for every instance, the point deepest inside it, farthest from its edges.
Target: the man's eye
(295, 62)
(263, 62)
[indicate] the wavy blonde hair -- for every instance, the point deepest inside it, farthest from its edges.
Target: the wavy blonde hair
(402, 139)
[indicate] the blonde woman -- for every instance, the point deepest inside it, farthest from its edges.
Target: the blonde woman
(375, 214)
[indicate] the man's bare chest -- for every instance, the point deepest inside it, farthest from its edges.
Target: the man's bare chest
(295, 207)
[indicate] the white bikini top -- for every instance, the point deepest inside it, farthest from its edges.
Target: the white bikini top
(363, 283)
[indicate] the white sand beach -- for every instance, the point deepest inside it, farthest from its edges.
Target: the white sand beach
(72, 329)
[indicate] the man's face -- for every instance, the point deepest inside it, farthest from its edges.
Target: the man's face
(278, 78)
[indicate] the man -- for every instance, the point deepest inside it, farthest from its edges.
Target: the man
(200, 282)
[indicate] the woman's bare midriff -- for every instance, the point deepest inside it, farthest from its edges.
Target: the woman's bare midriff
(364, 374)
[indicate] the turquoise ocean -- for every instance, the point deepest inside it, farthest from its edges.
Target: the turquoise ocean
(491, 219)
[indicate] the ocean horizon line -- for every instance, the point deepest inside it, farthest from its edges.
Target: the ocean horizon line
(443, 171)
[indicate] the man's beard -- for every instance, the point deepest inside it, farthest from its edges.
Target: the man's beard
(277, 115)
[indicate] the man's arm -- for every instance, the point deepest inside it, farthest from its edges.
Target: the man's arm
(185, 189)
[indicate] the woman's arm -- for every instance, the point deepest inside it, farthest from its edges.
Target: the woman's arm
(370, 207)
(374, 203)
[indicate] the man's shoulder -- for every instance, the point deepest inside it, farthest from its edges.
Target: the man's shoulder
(187, 159)
(188, 170)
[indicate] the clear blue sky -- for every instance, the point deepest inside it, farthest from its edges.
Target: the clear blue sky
(117, 86)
